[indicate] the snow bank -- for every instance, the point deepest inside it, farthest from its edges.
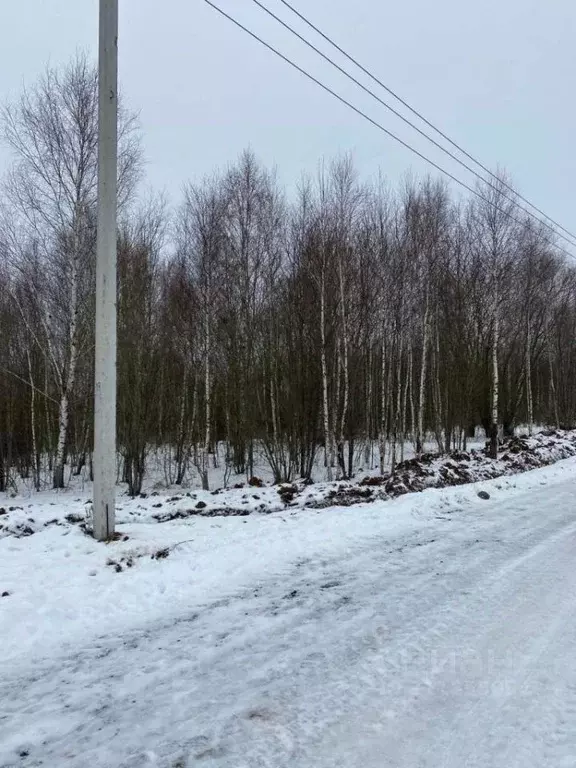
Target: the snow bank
(23, 518)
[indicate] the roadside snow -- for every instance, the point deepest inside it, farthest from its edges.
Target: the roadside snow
(25, 516)
(435, 629)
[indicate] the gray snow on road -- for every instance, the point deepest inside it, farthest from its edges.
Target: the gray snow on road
(437, 630)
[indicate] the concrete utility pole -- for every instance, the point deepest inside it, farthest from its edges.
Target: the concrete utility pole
(105, 362)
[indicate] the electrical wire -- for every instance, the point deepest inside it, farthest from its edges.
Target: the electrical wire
(418, 114)
(371, 120)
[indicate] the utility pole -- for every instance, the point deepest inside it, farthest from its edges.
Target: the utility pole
(105, 359)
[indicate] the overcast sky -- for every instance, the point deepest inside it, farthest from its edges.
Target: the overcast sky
(497, 75)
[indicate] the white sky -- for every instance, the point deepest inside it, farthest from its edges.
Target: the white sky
(497, 75)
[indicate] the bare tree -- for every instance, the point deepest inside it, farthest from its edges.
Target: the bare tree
(496, 234)
(201, 233)
(52, 132)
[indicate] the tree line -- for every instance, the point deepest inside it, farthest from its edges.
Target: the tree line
(325, 330)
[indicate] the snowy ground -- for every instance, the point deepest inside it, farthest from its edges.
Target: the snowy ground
(436, 629)
(25, 513)
(160, 472)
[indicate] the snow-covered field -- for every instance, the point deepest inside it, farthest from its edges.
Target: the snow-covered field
(434, 629)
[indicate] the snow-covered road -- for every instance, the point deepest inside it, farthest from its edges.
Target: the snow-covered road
(432, 631)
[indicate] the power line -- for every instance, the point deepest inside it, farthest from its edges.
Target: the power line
(417, 129)
(420, 115)
(370, 119)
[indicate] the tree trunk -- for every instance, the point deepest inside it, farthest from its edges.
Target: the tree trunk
(493, 448)
(350, 457)
(328, 442)
(58, 477)
(49, 434)
(368, 456)
(553, 387)
(344, 414)
(35, 452)
(438, 410)
(404, 408)
(423, 371)
(180, 447)
(397, 409)
(68, 383)
(383, 402)
(529, 398)
(208, 411)
(411, 390)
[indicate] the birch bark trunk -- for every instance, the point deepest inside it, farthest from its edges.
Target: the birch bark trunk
(423, 373)
(69, 380)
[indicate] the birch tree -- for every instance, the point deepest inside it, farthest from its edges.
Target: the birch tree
(201, 233)
(52, 132)
(496, 234)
